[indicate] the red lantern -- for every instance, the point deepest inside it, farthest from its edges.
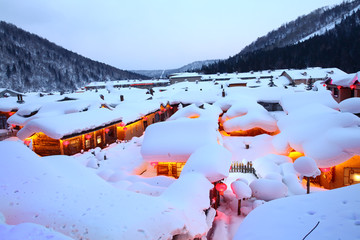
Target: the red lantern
(11, 113)
(27, 142)
(66, 143)
(159, 112)
(125, 128)
(324, 85)
(339, 87)
(221, 187)
(122, 124)
(154, 164)
(145, 118)
(87, 136)
(352, 86)
(107, 130)
(325, 169)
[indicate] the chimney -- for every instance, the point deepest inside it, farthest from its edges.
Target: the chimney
(121, 98)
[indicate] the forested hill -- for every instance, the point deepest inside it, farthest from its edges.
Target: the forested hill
(336, 45)
(29, 62)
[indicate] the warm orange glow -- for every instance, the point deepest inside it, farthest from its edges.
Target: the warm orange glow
(125, 128)
(87, 136)
(154, 164)
(194, 116)
(11, 113)
(356, 177)
(295, 155)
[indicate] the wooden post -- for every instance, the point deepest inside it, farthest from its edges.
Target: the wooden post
(239, 207)
(308, 185)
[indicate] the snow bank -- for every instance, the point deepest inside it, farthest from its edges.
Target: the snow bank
(213, 161)
(29, 231)
(48, 191)
(267, 189)
(351, 105)
(321, 133)
(338, 212)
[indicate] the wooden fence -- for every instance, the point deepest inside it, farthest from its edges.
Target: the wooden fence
(237, 167)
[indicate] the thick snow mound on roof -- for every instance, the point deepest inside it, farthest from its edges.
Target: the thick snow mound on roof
(321, 133)
(177, 140)
(268, 189)
(293, 218)
(210, 112)
(351, 105)
(248, 115)
(213, 161)
(291, 102)
(29, 231)
(48, 191)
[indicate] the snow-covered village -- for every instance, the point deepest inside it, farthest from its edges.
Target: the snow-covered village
(270, 153)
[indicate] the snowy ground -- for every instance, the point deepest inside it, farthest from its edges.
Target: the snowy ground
(114, 194)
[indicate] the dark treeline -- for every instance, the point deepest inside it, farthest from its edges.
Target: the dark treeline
(339, 47)
(31, 63)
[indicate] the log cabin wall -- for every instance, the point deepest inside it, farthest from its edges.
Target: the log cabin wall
(44, 145)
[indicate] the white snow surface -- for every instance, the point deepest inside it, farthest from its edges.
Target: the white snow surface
(351, 105)
(27, 231)
(328, 136)
(212, 160)
(48, 191)
(241, 189)
(248, 115)
(337, 211)
(306, 167)
(175, 141)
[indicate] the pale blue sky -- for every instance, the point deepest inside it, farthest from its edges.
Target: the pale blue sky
(154, 34)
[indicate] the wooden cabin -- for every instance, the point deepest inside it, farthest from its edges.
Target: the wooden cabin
(4, 117)
(344, 87)
(98, 137)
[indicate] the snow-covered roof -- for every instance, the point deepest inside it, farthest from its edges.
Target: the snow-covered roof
(132, 82)
(315, 72)
(175, 141)
(345, 80)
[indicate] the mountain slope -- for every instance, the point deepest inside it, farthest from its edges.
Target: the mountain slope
(336, 47)
(29, 62)
(303, 27)
(164, 73)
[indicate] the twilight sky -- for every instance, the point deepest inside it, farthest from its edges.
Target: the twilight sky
(154, 34)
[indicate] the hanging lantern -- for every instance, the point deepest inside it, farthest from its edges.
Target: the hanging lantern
(352, 86)
(339, 87)
(122, 124)
(107, 130)
(324, 85)
(221, 188)
(154, 164)
(87, 136)
(27, 141)
(65, 143)
(11, 113)
(325, 170)
(125, 128)
(159, 112)
(145, 118)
